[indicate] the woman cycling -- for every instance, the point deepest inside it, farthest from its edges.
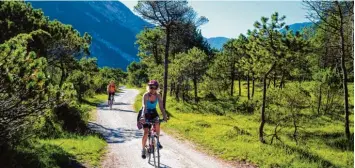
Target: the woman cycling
(150, 100)
(111, 89)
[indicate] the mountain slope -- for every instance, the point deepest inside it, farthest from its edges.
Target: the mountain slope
(298, 26)
(217, 42)
(111, 24)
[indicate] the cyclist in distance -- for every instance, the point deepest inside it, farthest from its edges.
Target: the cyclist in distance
(149, 102)
(111, 89)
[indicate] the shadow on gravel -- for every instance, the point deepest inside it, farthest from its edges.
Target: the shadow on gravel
(105, 108)
(161, 165)
(130, 111)
(119, 135)
(120, 103)
(38, 155)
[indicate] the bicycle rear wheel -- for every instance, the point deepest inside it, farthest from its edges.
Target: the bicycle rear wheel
(149, 153)
(111, 102)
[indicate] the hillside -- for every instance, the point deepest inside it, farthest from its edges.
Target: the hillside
(298, 26)
(217, 42)
(111, 24)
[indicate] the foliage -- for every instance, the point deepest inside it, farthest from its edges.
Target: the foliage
(137, 74)
(308, 70)
(191, 67)
(233, 135)
(45, 79)
(151, 45)
(170, 16)
(69, 151)
(24, 88)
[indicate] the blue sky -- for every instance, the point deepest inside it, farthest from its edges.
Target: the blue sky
(230, 18)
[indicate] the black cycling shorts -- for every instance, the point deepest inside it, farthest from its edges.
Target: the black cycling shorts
(110, 94)
(151, 114)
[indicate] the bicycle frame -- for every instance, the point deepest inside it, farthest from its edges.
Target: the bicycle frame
(112, 98)
(151, 141)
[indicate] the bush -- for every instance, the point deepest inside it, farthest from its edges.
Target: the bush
(210, 107)
(71, 118)
(210, 96)
(248, 106)
(137, 74)
(47, 127)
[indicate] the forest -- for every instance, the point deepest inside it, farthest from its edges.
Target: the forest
(270, 97)
(48, 81)
(270, 91)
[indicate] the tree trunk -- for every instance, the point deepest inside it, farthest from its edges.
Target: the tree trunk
(319, 99)
(166, 62)
(183, 93)
(240, 88)
(177, 91)
(268, 85)
(327, 103)
(274, 78)
(248, 85)
(261, 128)
(252, 91)
(61, 82)
(282, 81)
(195, 88)
(185, 89)
(295, 127)
(80, 94)
(232, 78)
(172, 87)
(345, 76)
(156, 56)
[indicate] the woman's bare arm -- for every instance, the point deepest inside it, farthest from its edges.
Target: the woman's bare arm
(161, 106)
(144, 104)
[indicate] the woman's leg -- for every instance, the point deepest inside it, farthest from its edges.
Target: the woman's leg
(157, 129)
(145, 137)
(108, 99)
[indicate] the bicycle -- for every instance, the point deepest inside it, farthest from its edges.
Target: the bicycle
(153, 141)
(111, 100)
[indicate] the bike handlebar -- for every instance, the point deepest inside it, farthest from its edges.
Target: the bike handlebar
(154, 121)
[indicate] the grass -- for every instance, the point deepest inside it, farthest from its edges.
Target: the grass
(234, 136)
(90, 104)
(138, 102)
(85, 149)
(70, 150)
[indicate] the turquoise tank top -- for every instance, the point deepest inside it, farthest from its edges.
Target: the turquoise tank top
(151, 105)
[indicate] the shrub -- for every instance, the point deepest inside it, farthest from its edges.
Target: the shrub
(248, 106)
(71, 118)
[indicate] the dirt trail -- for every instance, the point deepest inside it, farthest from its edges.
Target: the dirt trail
(118, 126)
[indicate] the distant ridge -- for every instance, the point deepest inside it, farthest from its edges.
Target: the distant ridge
(111, 24)
(217, 42)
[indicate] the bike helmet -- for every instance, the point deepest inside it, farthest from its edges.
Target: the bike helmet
(153, 83)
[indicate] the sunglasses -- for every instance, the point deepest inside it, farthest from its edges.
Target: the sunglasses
(152, 87)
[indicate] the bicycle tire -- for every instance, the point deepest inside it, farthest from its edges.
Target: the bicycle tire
(153, 148)
(149, 153)
(158, 153)
(111, 102)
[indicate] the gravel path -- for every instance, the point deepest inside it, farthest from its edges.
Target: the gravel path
(118, 126)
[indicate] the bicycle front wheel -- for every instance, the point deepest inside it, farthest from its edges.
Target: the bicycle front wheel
(157, 152)
(152, 150)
